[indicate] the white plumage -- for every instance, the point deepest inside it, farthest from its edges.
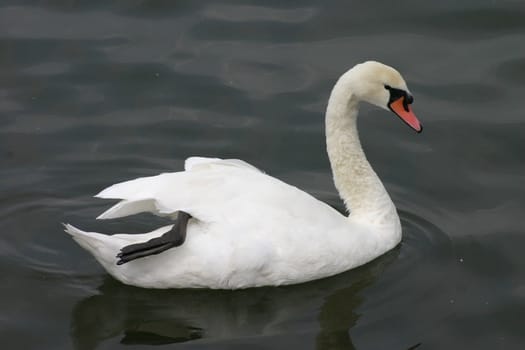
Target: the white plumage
(249, 229)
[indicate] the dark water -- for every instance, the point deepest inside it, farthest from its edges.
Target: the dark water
(96, 92)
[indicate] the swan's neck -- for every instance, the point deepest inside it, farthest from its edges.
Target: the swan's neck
(358, 185)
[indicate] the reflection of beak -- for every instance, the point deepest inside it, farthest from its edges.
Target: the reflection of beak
(403, 111)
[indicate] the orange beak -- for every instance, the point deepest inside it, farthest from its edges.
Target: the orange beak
(403, 111)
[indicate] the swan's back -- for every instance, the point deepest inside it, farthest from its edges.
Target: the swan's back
(212, 190)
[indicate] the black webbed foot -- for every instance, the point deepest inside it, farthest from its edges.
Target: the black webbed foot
(140, 250)
(173, 238)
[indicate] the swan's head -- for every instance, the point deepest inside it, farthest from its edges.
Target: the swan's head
(384, 87)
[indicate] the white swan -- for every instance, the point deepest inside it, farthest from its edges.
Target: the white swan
(249, 229)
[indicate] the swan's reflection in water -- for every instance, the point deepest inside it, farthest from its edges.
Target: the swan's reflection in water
(325, 308)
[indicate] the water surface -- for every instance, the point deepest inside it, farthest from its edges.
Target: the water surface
(96, 92)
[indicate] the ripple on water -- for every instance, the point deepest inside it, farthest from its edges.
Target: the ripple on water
(412, 287)
(250, 13)
(512, 70)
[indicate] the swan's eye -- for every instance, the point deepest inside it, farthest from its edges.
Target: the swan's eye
(387, 87)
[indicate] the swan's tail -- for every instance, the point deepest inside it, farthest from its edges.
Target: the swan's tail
(103, 247)
(106, 247)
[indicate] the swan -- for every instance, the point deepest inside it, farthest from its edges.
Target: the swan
(237, 227)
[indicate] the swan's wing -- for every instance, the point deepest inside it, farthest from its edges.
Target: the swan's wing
(146, 189)
(214, 190)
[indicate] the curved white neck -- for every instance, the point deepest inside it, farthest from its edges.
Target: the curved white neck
(358, 185)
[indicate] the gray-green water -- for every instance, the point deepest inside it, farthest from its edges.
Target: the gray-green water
(96, 92)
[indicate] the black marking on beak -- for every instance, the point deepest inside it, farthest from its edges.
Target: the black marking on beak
(396, 94)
